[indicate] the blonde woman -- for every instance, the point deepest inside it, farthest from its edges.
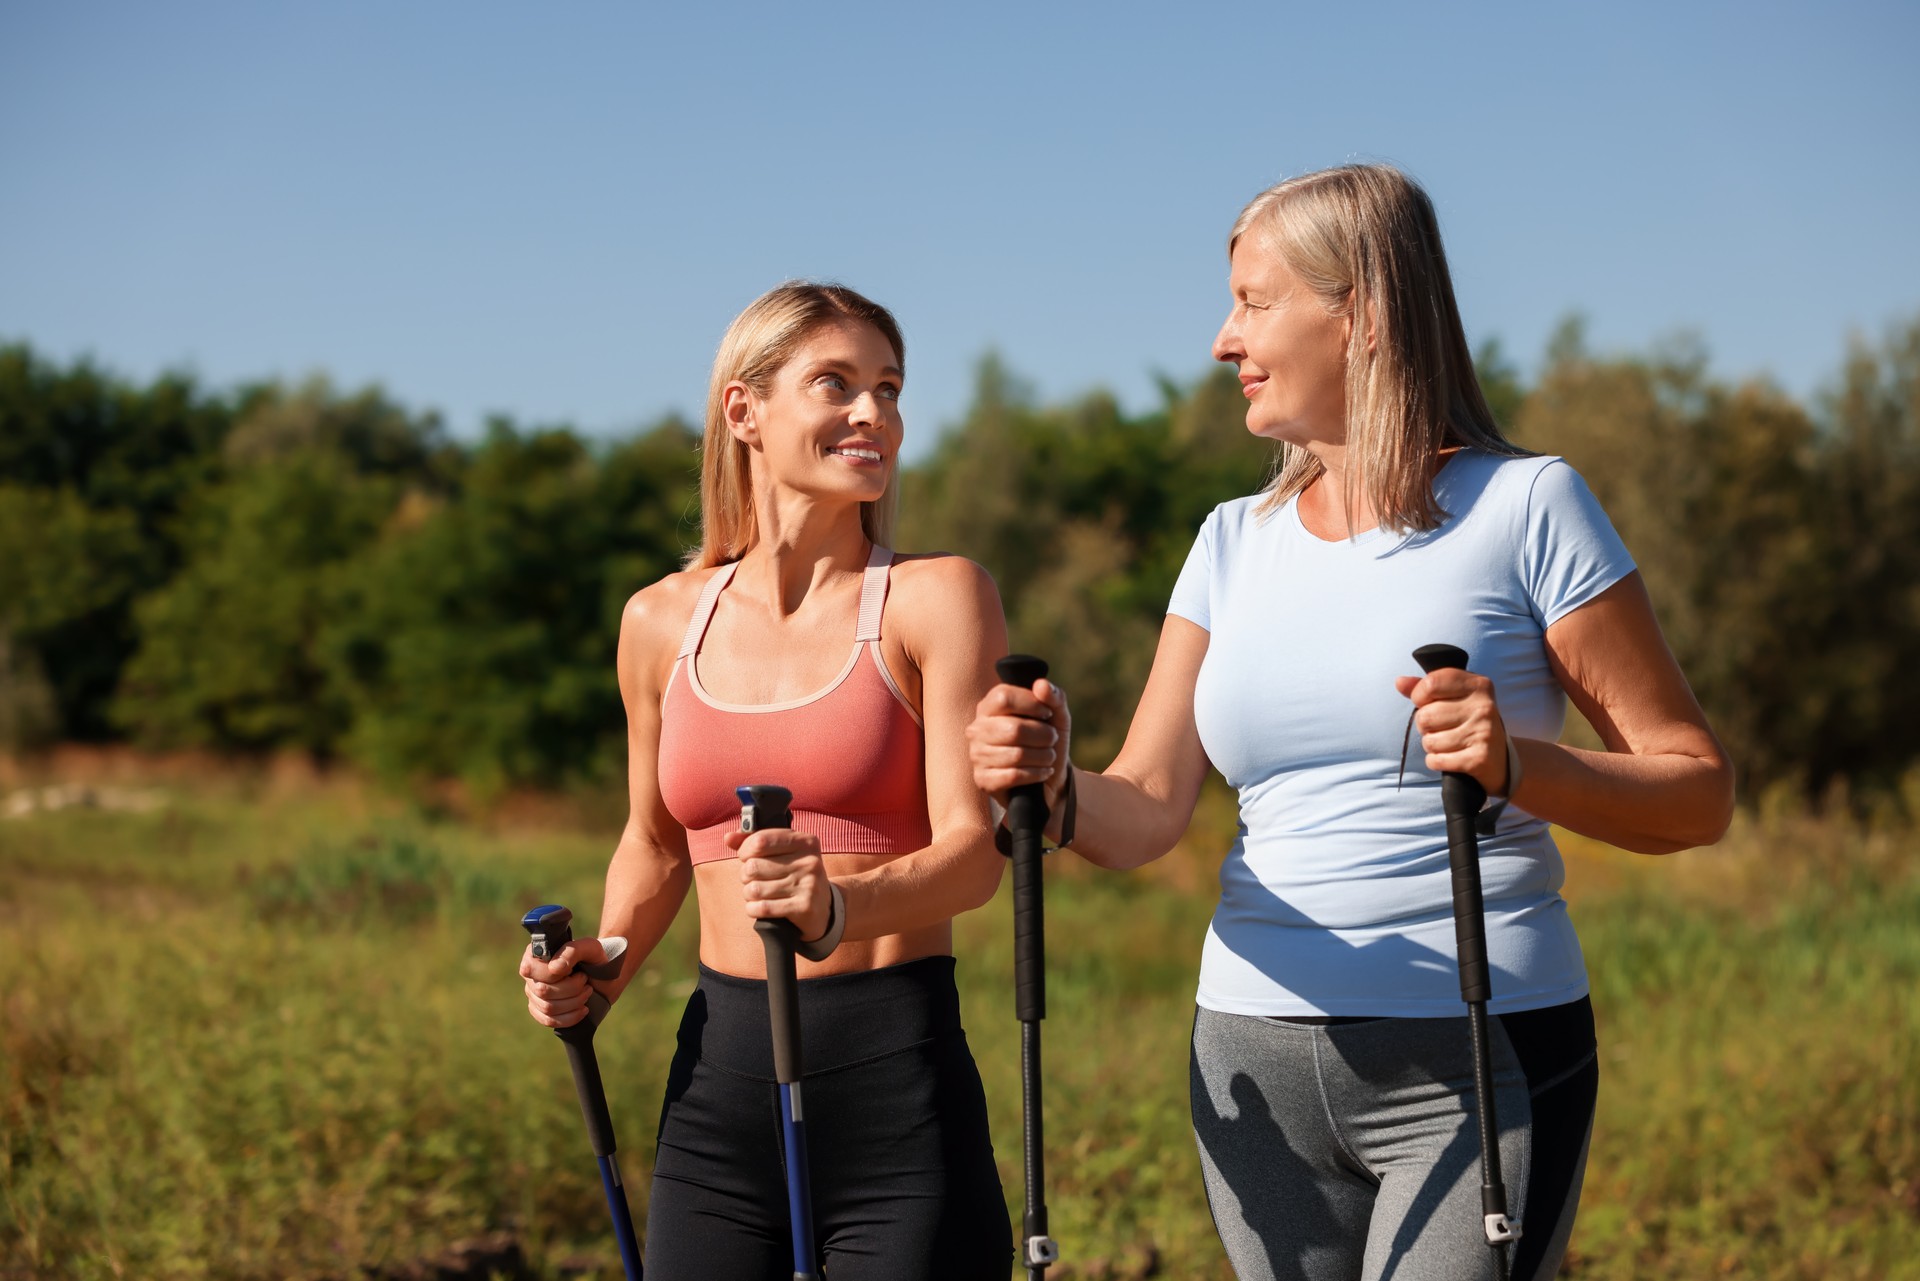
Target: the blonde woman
(797, 649)
(1330, 1059)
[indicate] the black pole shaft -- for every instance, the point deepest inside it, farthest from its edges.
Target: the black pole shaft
(588, 1085)
(1462, 798)
(1026, 821)
(1033, 1142)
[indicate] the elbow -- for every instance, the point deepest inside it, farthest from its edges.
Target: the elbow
(1705, 819)
(1130, 859)
(1717, 795)
(989, 869)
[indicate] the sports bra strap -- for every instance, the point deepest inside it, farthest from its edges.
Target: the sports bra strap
(703, 611)
(873, 595)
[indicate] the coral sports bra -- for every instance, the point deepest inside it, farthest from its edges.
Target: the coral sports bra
(853, 754)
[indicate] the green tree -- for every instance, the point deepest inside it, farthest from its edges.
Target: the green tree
(1869, 512)
(62, 563)
(303, 481)
(477, 640)
(1084, 515)
(1778, 549)
(229, 655)
(128, 457)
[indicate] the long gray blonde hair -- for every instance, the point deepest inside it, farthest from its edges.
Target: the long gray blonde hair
(1365, 239)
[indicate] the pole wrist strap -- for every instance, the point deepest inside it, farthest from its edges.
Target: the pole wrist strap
(821, 948)
(1069, 809)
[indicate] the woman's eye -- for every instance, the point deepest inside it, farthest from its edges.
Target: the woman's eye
(889, 392)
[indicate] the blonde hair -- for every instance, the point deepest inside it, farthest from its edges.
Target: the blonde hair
(759, 342)
(1365, 239)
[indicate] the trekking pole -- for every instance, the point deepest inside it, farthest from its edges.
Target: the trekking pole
(1026, 820)
(1463, 797)
(552, 929)
(767, 806)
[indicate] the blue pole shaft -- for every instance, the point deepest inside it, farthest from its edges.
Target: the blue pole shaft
(622, 1216)
(793, 1126)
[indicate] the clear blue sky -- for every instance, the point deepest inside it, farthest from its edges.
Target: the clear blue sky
(553, 210)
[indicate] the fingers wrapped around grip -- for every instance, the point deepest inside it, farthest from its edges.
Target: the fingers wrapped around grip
(1020, 736)
(782, 875)
(557, 994)
(1461, 730)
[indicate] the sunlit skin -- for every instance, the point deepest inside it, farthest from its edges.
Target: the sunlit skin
(1663, 784)
(782, 631)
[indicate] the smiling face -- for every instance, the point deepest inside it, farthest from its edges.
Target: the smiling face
(829, 424)
(1291, 352)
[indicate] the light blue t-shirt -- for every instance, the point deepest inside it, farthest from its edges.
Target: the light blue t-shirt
(1336, 897)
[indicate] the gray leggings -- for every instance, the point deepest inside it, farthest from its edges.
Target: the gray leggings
(1345, 1150)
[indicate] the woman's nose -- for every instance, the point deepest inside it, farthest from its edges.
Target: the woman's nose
(866, 408)
(1226, 343)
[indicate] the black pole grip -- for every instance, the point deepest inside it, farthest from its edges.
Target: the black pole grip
(551, 927)
(1026, 804)
(1462, 796)
(762, 806)
(783, 997)
(1026, 821)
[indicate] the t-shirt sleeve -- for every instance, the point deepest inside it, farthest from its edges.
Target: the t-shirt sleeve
(1572, 551)
(1193, 592)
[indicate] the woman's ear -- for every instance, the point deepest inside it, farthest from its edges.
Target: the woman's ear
(1347, 332)
(736, 406)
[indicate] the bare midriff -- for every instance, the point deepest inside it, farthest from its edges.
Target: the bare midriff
(729, 943)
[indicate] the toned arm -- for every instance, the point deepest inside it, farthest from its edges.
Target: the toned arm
(1663, 784)
(648, 876)
(1138, 808)
(952, 628)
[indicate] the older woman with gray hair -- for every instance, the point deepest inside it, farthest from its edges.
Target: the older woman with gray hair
(1330, 1058)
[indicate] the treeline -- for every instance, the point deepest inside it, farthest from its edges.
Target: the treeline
(294, 567)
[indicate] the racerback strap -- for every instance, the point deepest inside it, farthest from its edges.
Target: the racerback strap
(873, 595)
(703, 611)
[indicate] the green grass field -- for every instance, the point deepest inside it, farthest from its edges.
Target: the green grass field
(252, 1034)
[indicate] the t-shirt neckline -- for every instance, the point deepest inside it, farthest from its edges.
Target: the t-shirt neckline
(1365, 536)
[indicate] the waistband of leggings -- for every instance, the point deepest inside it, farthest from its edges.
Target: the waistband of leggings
(844, 1018)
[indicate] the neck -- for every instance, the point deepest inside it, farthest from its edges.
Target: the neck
(1329, 502)
(803, 546)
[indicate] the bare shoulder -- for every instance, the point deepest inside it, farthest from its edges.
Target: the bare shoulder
(655, 617)
(937, 588)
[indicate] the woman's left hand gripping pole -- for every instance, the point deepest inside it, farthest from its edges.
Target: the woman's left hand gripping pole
(552, 929)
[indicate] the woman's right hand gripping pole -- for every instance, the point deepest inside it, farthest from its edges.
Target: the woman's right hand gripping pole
(1138, 807)
(558, 988)
(1020, 736)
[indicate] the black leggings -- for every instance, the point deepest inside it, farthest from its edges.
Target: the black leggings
(904, 1182)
